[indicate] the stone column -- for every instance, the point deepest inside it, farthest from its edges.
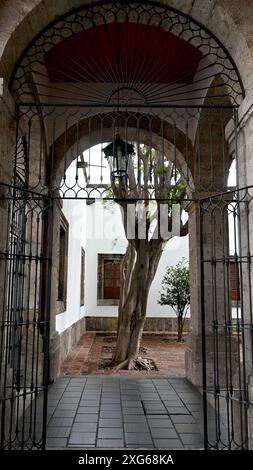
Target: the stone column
(7, 146)
(55, 346)
(242, 148)
(212, 291)
(39, 163)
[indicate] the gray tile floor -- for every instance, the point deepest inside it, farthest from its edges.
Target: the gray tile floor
(124, 412)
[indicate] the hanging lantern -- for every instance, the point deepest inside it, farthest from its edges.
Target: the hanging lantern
(118, 154)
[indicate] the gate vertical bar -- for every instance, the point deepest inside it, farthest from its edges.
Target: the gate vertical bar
(46, 326)
(203, 329)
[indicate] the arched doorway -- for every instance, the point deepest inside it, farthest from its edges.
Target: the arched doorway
(85, 79)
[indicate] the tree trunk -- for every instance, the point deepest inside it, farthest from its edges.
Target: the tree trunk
(126, 270)
(132, 313)
(144, 254)
(180, 326)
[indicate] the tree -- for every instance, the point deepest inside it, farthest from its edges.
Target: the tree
(150, 176)
(176, 292)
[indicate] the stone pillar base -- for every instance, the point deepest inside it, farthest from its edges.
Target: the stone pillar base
(8, 405)
(55, 356)
(193, 359)
(250, 414)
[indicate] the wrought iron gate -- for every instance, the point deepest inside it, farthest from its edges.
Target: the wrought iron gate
(69, 98)
(226, 303)
(25, 267)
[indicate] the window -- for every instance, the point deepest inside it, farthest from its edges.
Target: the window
(82, 278)
(109, 279)
(63, 262)
(234, 281)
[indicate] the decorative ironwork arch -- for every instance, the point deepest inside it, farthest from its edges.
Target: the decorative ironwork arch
(102, 42)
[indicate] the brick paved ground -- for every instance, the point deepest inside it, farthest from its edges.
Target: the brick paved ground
(163, 349)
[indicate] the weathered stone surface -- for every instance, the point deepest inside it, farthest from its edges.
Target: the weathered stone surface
(61, 345)
(227, 361)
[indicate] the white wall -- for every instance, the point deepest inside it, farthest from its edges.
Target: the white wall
(75, 213)
(98, 229)
(176, 249)
(105, 234)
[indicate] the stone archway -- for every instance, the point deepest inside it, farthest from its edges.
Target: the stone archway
(40, 133)
(20, 25)
(21, 21)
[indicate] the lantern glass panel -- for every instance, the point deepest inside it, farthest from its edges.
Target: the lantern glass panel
(118, 154)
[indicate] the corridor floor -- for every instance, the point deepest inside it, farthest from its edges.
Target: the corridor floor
(124, 412)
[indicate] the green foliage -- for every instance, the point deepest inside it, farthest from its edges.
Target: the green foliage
(176, 288)
(161, 171)
(176, 292)
(177, 192)
(108, 192)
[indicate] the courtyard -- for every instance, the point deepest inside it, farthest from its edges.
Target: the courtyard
(93, 406)
(93, 352)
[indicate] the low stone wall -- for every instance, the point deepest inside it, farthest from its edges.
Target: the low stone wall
(70, 337)
(162, 325)
(61, 345)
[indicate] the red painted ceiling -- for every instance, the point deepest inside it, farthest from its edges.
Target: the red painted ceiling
(123, 53)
